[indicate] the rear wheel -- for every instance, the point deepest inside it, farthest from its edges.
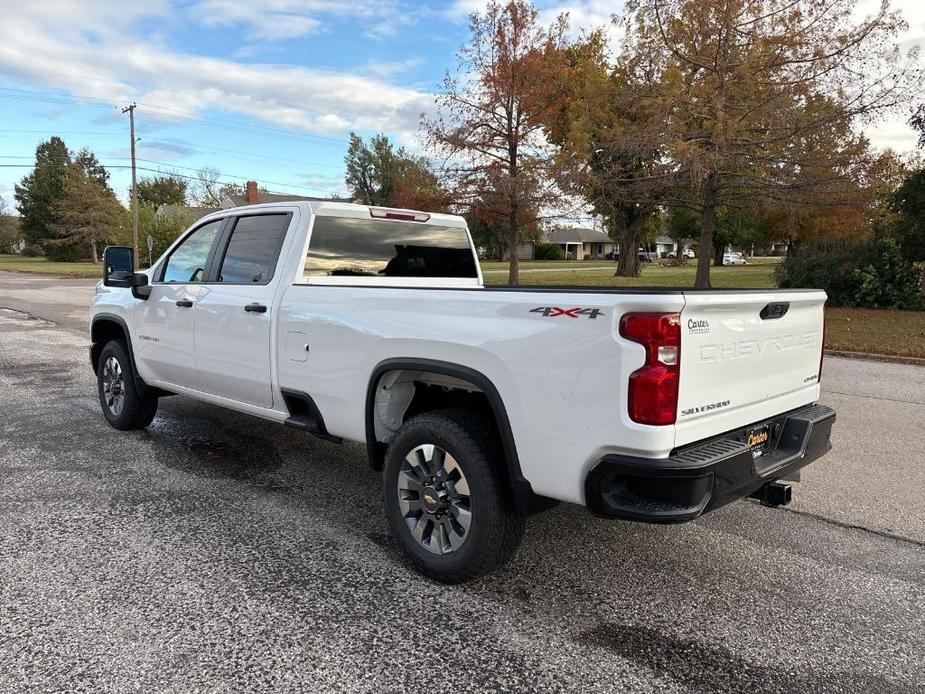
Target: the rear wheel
(123, 406)
(446, 496)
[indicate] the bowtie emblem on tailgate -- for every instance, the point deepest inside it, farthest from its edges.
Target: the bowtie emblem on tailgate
(554, 311)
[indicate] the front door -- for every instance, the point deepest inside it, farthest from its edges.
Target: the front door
(235, 313)
(163, 346)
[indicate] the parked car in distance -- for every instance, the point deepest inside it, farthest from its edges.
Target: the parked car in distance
(643, 255)
(734, 258)
(477, 405)
(686, 253)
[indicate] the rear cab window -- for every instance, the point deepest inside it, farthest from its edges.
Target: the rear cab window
(357, 250)
(253, 248)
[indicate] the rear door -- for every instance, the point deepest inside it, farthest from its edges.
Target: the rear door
(235, 313)
(746, 356)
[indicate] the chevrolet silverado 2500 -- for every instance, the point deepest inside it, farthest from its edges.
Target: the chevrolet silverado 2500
(477, 404)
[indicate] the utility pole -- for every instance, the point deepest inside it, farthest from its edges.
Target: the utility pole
(130, 109)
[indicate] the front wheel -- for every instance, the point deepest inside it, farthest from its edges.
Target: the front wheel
(123, 406)
(446, 496)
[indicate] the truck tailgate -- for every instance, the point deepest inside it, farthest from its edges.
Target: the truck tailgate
(745, 357)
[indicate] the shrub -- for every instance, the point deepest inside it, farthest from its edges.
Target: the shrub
(548, 251)
(865, 274)
(63, 252)
(32, 251)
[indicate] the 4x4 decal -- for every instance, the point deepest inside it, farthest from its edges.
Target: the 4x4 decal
(554, 311)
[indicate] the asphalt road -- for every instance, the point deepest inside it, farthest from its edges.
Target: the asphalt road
(216, 552)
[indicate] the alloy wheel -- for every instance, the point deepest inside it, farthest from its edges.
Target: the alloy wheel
(433, 496)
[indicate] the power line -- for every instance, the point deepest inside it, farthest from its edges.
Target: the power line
(187, 177)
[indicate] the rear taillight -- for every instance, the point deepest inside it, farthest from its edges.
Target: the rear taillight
(653, 389)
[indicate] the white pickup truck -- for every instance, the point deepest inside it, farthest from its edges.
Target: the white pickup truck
(478, 404)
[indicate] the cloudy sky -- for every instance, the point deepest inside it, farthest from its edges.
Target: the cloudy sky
(262, 89)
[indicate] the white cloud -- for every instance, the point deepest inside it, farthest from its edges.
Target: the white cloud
(390, 68)
(105, 60)
(279, 20)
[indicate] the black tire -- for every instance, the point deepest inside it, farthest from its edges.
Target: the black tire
(135, 411)
(494, 529)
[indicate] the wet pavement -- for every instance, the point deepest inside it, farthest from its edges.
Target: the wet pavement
(215, 551)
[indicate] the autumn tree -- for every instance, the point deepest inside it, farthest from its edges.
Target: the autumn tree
(162, 189)
(489, 128)
(379, 174)
(609, 141)
(87, 215)
(488, 221)
(761, 99)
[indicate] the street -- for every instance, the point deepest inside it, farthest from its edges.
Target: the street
(216, 551)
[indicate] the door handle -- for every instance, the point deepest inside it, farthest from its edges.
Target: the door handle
(185, 303)
(255, 308)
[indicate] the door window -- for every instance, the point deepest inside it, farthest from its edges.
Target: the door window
(253, 249)
(187, 262)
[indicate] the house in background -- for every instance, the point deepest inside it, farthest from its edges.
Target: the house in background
(580, 243)
(665, 245)
(12, 240)
(191, 213)
(254, 196)
(779, 248)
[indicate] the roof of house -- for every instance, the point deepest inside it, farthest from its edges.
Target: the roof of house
(577, 235)
(264, 197)
(193, 212)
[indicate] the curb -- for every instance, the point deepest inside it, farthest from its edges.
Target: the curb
(891, 358)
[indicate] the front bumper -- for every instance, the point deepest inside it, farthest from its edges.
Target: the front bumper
(709, 474)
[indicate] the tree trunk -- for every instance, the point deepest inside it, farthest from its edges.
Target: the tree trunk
(513, 275)
(628, 263)
(719, 250)
(96, 259)
(706, 233)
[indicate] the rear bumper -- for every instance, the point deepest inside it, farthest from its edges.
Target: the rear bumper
(709, 474)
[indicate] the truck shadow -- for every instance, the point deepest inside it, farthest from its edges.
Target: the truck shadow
(709, 669)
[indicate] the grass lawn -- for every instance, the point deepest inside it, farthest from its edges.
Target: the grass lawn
(900, 333)
(581, 273)
(20, 263)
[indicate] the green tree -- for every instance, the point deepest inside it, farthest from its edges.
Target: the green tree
(379, 174)
(37, 192)
(908, 205)
(87, 160)
(9, 228)
(163, 228)
(162, 189)
(87, 215)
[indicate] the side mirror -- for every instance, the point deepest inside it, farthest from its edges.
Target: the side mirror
(118, 267)
(119, 271)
